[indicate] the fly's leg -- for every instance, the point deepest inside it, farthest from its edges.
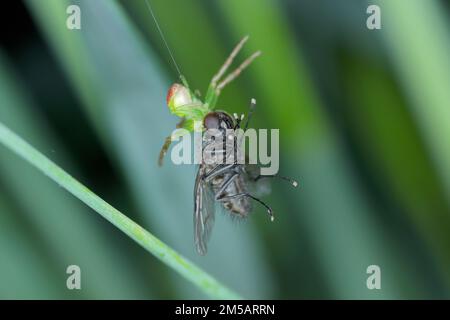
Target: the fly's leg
(217, 171)
(215, 86)
(219, 195)
(220, 168)
(240, 195)
(216, 152)
(291, 181)
(210, 152)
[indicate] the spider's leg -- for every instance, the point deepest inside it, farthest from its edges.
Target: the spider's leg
(181, 123)
(167, 143)
(164, 149)
(214, 88)
(233, 75)
(228, 62)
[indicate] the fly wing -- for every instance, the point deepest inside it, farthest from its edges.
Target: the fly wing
(203, 212)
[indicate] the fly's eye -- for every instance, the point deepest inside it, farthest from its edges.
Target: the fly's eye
(211, 121)
(224, 124)
(218, 120)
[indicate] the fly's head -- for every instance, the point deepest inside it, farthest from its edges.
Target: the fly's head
(223, 124)
(218, 120)
(219, 136)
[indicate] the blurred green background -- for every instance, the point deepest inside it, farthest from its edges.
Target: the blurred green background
(364, 119)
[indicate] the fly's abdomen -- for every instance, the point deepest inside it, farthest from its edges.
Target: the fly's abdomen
(237, 206)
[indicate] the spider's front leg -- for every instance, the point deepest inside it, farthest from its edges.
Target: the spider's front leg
(216, 85)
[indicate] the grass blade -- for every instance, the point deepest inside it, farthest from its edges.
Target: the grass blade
(149, 242)
(38, 204)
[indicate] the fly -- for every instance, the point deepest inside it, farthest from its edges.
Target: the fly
(228, 184)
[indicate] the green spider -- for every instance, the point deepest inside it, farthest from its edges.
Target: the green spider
(187, 105)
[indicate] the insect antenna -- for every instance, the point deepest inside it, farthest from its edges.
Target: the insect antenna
(238, 120)
(252, 108)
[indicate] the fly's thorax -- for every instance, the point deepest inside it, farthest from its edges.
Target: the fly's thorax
(219, 139)
(221, 148)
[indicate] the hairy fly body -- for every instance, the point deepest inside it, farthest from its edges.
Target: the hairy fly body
(222, 182)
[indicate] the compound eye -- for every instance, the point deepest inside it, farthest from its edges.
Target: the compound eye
(211, 121)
